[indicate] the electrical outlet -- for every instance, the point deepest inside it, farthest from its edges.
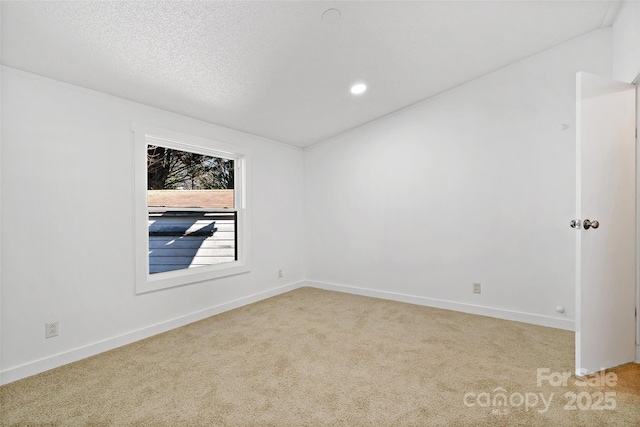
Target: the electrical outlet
(51, 329)
(477, 288)
(280, 273)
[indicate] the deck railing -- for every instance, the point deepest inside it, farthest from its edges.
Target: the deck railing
(188, 238)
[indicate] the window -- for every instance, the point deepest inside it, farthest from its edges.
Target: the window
(190, 200)
(191, 209)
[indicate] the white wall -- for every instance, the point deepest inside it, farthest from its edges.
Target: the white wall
(0, 205)
(68, 218)
(474, 185)
(626, 42)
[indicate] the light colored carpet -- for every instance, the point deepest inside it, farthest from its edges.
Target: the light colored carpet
(312, 357)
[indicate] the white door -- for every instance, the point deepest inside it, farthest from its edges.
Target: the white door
(605, 256)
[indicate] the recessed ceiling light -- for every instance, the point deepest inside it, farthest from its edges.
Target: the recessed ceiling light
(358, 88)
(331, 16)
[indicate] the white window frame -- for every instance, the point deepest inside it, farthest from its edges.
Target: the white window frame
(149, 135)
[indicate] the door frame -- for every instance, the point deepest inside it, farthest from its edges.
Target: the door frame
(636, 82)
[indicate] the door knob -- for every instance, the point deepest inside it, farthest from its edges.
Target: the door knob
(575, 223)
(590, 224)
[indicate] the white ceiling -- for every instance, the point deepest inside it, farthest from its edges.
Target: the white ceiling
(275, 69)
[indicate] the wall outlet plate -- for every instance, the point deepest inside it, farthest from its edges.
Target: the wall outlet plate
(477, 288)
(51, 329)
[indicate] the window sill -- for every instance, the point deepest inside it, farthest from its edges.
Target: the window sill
(170, 279)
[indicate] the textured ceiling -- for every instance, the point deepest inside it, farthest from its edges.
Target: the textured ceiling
(275, 69)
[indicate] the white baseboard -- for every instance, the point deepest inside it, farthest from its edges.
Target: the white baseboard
(517, 316)
(54, 361)
(637, 354)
